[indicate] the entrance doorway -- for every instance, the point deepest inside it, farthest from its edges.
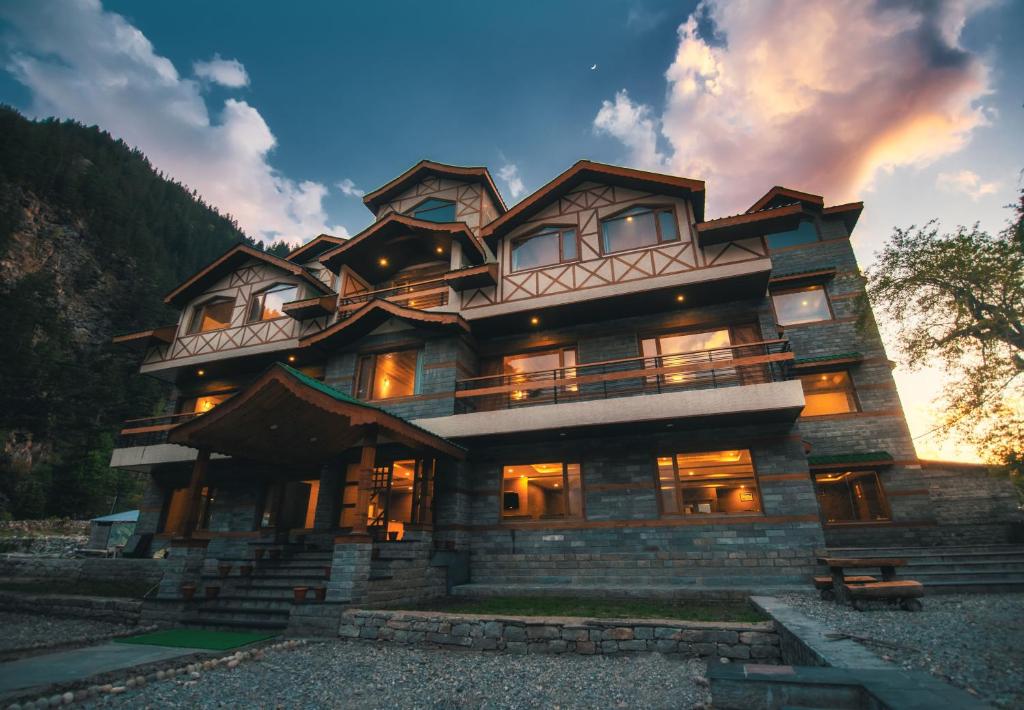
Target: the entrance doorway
(290, 505)
(401, 493)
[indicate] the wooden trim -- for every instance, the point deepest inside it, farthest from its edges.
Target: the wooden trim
(785, 476)
(147, 429)
(580, 172)
(825, 364)
(822, 274)
(780, 191)
(851, 415)
(164, 334)
(882, 524)
(746, 226)
(675, 521)
(320, 238)
(653, 209)
(626, 375)
(393, 187)
(853, 466)
(389, 310)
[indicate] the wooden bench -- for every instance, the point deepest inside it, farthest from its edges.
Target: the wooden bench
(825, 584)
(904, 592)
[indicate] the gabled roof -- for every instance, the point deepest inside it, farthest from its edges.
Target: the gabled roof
(400, 184)
(314, 247)
(752, 224)
(374, 314)
(227, 262)
(287, 417)
(396, 224)
(586, 170)
(783, 195)
(146, 338)
(849, 213)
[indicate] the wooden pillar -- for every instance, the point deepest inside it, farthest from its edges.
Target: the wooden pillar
(195, 492)
(367, 461)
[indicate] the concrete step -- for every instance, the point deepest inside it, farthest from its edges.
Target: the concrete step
(231, 602)
(247, 618)
(233, 624)
(272, 574)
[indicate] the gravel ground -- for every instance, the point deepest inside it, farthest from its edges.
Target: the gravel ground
(24, 630)
(362, 675)
(973, 641)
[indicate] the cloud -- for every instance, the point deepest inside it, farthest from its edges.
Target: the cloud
(81, 62)
(967, 182)
(816, 96)
(640, 19)
(226, 72)
(349, 188)
(509, 174)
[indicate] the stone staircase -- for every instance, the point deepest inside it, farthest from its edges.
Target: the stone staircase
(960, 568)
(263, 599)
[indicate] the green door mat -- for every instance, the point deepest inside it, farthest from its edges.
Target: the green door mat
(198, 638)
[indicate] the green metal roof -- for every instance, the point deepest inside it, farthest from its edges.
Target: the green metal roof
(349, 399)
(827, 358)
(865, 457)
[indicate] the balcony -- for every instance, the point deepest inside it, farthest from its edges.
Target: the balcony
(748, 380)
(422, 295)
(143, 442)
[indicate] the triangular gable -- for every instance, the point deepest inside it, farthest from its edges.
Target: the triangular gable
(779, 195)
(314, 248)
(586, 170)
(376, 312)
(232, 259)
(400, 184)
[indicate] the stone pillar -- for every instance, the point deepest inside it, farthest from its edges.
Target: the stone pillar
(350, 569)
(183, 566)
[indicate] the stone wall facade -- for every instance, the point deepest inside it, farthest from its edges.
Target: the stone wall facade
(740, 641)
(90, 569)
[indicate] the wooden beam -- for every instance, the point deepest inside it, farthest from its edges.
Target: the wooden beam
(195, 491)
(364, 474)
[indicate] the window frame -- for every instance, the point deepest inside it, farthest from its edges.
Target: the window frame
(805, 220)
(260, 295)
(852, 391)
(566, 462)
(560, 350)
(556, 229)
(411, 212)
(798, 289)
(883, 497)
(760, 512)
(653, 209)
(372, 356)
(196, 317)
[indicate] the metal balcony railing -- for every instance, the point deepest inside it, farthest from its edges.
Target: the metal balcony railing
(746, 364)
(423, 294)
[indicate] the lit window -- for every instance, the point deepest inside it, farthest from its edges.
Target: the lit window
(806, 305)
(434, 210)
(212, 315)
(551, 245)
(711, 482)
(684, 350)
(828, 393)
(639, 227)
(176, 508)
(540, 367)
(541, 491)
(202, 404)
(804, 234)
(851, 497)
(269, 303)
(388, 375)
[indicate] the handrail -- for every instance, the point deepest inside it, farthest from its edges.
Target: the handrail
(766, 343)
(392, 291)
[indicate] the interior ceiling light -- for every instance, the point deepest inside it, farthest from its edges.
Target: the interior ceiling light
(680, 298)
(383, 261)
(534, 320)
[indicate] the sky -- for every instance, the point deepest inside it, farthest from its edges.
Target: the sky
(284, 114)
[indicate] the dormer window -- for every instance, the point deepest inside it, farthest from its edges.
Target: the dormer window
(548, 245)
(434, 210)
(805, 233)
(268, 304)
(638, 227)
(211, 315)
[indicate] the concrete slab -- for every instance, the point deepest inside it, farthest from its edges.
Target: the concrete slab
(81, 663)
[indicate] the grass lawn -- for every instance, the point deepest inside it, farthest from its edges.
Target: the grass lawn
(131, 590)
(596, 608)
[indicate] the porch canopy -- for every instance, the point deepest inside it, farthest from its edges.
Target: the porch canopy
(286, 417)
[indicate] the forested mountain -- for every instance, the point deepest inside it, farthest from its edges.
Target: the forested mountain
(91, 238)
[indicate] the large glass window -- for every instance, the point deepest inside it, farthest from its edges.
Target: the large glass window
(401, 493)
(805, 305)
(804, 234)
(202, 403)
(434, 210)
(828, 393)
(388, 375)
(710, 482)
(540, 367)
(551, 245)
(851, 497)
(269, 303)
(212, 315)
(678, 350)
(541, 491)
(639, 227)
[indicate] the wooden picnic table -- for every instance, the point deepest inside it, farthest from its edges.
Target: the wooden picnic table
(838, 565)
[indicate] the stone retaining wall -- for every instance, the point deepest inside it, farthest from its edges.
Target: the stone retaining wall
(121, 611)
(520, 634)
(92, 569)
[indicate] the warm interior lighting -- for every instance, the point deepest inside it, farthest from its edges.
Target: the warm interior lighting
(534, 320)
(291, 358)
(803, 303)
(680, 298)
(383, 261)
(629, 219)
(200, 372)
(440, 250)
